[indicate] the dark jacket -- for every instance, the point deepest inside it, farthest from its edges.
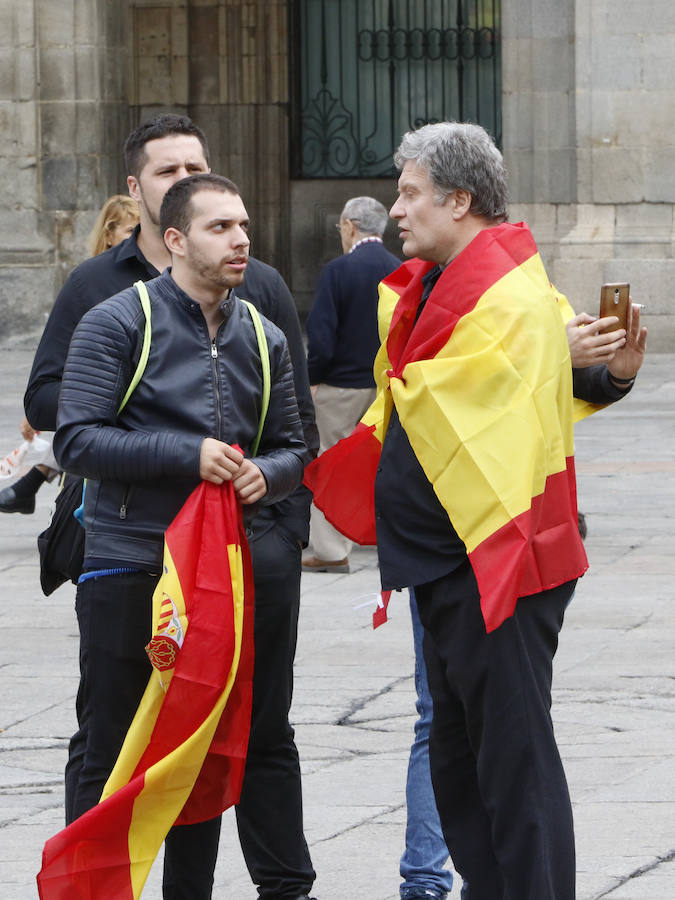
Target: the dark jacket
(342, 336)
(88, 284)
(100, 277)
(144, 463)
(593, 385)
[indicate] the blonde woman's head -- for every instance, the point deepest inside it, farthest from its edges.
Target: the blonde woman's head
(115, 222)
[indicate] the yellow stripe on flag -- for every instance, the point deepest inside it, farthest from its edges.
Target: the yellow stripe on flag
(170, 781)
(471, 413)
(138, 736)
(379, 411)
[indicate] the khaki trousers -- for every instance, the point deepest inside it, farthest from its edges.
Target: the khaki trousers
(338, 411)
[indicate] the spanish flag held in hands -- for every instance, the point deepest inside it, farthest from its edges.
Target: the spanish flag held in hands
(482, 384)
(184, 754)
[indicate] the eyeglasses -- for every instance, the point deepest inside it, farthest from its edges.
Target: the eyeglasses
(338, 226)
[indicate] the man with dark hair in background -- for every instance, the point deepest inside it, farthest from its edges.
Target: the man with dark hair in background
(269, 815)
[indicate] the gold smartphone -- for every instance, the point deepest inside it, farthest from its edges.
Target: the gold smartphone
(615, 301)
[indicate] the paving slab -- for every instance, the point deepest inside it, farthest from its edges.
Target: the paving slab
(613, 697)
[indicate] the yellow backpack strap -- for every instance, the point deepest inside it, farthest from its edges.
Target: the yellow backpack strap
(138, 374)
(266, 375)
(147, 338)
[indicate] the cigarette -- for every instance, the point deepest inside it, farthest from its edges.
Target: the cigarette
(638, 306)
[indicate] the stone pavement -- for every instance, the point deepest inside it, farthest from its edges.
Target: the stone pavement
(614, 683)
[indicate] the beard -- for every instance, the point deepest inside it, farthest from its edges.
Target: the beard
(216, 274)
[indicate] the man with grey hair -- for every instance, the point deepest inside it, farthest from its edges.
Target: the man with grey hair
(465, 478)
(463, 474)
(478, 370)
(499, 783)
(342, 343)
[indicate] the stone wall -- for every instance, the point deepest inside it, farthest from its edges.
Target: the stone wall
(316, 205)
(62, 111)
(590, 144)
(76, 75)
(225, 63)
(589, 136)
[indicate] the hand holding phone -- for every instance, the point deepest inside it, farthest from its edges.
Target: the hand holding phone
(615, 301)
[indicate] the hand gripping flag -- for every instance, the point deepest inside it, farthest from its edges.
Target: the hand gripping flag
(482, 385)
(184, 754)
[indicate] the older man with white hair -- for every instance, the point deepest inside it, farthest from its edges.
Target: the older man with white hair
(342, 343)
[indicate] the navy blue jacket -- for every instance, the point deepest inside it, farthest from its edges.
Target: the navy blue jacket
(342, 337)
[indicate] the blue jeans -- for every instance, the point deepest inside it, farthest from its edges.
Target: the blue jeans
(425, 851)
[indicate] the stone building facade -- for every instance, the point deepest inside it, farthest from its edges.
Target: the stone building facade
(588, 135)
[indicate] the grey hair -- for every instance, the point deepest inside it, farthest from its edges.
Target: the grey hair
(367, 213)
(459, 155)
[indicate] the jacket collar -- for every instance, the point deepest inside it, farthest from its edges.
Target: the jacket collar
(168, 288)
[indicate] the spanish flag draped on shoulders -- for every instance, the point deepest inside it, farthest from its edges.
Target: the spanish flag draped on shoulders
(482, 385)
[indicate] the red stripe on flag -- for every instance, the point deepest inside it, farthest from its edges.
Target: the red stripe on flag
(380, 614)
(404, 282)
(206, 658)
(91, 857)
(342, 480)
(524, 556)
(489, 257)
(220, 778)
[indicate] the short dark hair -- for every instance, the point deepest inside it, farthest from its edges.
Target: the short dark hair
(176, 210)
(159, 127)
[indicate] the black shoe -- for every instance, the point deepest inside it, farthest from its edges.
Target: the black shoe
(11, 502)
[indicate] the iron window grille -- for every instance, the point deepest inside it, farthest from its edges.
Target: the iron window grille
(369, 70)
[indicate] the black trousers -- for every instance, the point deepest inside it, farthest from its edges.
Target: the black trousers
(498, 779)
(115, 620)
(269, 813)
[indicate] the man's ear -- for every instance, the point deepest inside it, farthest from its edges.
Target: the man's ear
(133, 188)
(175, 241)
(352, 233)
(460, 203)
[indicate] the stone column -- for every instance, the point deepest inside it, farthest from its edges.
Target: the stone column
(589, 140)
(63, 108)
(26, 251)
(625, 112)
(539, 117)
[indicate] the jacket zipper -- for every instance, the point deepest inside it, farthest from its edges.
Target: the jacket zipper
(216, 381)
(125, 502)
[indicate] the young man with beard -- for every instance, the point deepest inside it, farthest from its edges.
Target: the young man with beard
(203, 377)
(159, 153)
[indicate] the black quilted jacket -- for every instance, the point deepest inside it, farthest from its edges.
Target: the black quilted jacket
(143, 464)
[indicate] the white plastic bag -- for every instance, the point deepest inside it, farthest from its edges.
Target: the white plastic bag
(38, 449)
(10, 465)
(30, 452)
